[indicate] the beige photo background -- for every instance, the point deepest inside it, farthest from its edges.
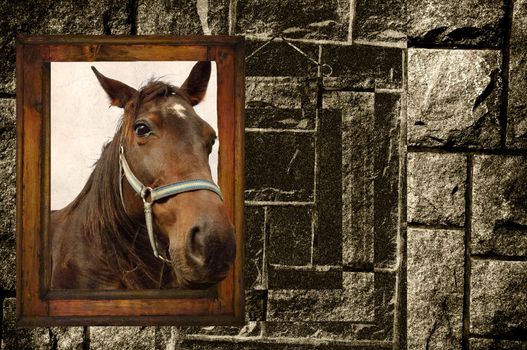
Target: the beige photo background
(82, 121)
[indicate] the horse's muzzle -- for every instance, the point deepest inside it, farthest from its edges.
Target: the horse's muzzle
(210, 250)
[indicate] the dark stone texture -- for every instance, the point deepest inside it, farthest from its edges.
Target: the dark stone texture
(290, 232)
(378, 20)
(254, 248)
(309, 19)
(278, 59)
(517, 107)
(363, 67)
(494, 344)
(279, 166)
(7, 193)
(280, 103)
(463, 22)
(218, 16)
(384, 148)
(279, 344)
(385, 286)
(370, 170)
(7, 113)
(454, 98)
(321, 330)
(123, 338)
(498, 301)
(167, 337)
(255, 305)
(355, 302)
(436, 189)
(435, 288)
(319, 277)
(67, 338)
(16, 338)
(327, 244)
(499, 220)
(55, 17)
(174, 17)
(357, 174)
(249, 329)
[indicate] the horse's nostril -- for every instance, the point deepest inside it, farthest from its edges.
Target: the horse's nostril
(211, 251)
(196, 245)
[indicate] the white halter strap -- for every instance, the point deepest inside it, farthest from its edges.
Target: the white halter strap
(150, 195)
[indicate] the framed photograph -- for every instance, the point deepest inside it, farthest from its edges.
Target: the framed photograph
(130, 180)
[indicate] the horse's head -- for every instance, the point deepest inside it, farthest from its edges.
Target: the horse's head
(166, 142)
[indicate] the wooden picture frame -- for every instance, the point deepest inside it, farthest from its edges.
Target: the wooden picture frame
(37, 305)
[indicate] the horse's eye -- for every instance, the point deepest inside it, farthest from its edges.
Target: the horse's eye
(142, 129)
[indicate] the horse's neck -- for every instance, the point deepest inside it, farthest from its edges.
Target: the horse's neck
(94, 240)
(78, 256)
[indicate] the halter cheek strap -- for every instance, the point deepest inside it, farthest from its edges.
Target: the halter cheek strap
(150, 195)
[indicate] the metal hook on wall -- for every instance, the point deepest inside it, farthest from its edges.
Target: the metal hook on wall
(323, 66)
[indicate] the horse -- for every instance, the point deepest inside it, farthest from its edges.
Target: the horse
(149, 216)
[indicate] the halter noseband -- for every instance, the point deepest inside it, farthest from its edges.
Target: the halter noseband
(150, 195)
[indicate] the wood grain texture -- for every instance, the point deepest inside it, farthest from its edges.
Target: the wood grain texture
(239, 183)
(36, 304)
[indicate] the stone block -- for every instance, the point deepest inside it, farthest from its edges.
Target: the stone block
(166, 337)
(499, 220)
(123, 338)
(317, 277)
(385, 145)
(370, 175)
(454, 98)
(435, 288)
(385, 289)
(169, 17)
(67, 338)
(290, 234)
(280, 103)
(255, 305)
(16, 338)
(273, 344)
(379, 20)
(270, 60)
(327, 241)
(254, 248)
(7, 193)
(249, 329)
(517, 107)
(464, 22)
(7, 113)
(355, 302)
(363, 67)
(519, 24)
(337, 330)
(498, 301)
(492, 344)
(308, 19)
(217, 15)
(357, 118)
(55, 17)
(436, 189)
(279, 166)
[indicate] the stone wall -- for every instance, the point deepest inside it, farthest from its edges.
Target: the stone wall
(386, 203)
(467, 175)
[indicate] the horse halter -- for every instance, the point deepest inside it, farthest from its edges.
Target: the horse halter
(150, 195)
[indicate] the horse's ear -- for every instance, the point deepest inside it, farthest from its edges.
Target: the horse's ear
(118, 92)
(196, 84)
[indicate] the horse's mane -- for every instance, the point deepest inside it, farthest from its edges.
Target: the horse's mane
(122, 244)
